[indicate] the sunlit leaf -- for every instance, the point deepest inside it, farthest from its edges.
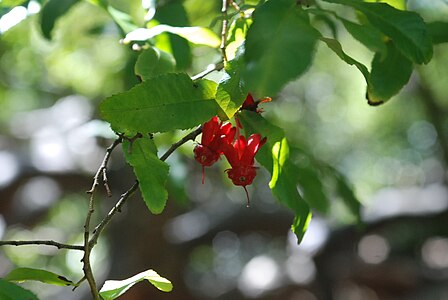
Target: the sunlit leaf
(51, 12)
(27, 274)
(163, 103)
(11, 3)
(11, 291)
(279, 46)
(388, 75)
(274, 157)
(231, 91)
(173, 13)
(407, 29)
(151, 172)
(196, 35)
(438, 32)
(112, 289)
(152, 62)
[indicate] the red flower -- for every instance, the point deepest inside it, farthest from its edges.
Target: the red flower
(241, 157)
(251, 104)
(215, 134)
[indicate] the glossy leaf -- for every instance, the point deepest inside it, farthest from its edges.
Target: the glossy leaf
(388, 75)
(153, 62)
(196, 35)
(112, 289)
(279, 46)
(27, 274)
(274, 157)
(438, 32)
(407, 29)
(174, 14)
(231, 91)
(51, 12)
(11, 291)
(163, 103)
(151, 172)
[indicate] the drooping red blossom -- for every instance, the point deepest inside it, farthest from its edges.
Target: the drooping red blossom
(215, 134)
(241, 156)
(251, 104)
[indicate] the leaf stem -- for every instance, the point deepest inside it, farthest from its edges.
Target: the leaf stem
(225, 4)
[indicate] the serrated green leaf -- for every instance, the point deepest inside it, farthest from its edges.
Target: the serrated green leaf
(407, 29)
(11, 291)
(438, 32)
(274, 157)
(112, 289)
(163, 103)
(51, 12)
(152, 62)
(27, 274)
(196, 35)
(279, 46)
(231, 91)
(173, 13)
(388, 75)
(151, 172)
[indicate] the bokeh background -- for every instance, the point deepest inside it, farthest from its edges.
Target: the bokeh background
(206, 241)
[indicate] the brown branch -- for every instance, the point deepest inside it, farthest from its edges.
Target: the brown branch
(102, 170)
(223, 45)
(125, 196)
(42, 242)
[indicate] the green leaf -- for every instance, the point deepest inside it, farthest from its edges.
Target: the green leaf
(174, 14)
(388, 75)
(438, 32)
(11, 291)
(366, 34)
(163, 103)
(279, 46)
(348, 196)
(274, 156)
(407, 29)
(231, 91)
(51, 12)
(11, 3)
(122, 19)
(337, 48)
(27, 274)
(151, 172)
(152, 62)
(196, 35)
(112, 289)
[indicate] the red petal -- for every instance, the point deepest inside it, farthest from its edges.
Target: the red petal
(209, 130)
(231, 154)
(254, 143)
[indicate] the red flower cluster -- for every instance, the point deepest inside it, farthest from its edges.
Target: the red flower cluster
(218, 138)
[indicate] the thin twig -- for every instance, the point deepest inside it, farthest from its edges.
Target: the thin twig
(87, 268)
(102, 170)
(223, 45)
(191, 136)
(42, 242)
(117, 208)
(210, 69)
(125, 196)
